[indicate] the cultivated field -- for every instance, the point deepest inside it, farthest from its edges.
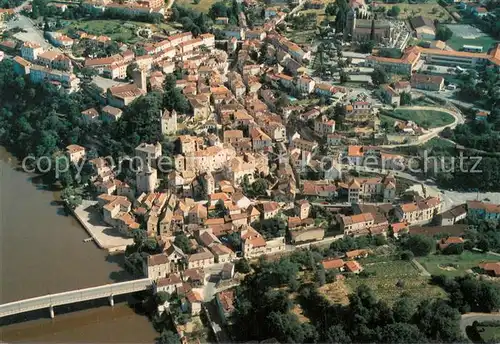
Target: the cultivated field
(389, 279)
(454, 265)
(429, 10)
(423, 118)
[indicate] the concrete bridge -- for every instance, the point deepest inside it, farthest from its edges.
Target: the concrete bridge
(51, 300)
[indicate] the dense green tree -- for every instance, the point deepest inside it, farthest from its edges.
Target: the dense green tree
(420, 245)
(173, 99)
(169, 337)
(182, 242)
(242, 266)
(443, 33)
(379, 76)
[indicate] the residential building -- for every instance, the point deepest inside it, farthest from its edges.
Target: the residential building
(111, 113)
(254, 245)
(75, 153)
(168, 284)
(333, 264)
(356, 224)
(427, 82)
(424, 27)
(156, 266)
(42, 74)
(202, 259)
(21, 66)
(30, 51)
(452, 240)
(269, 210)
(323, 126)
(421, 211)
(148, 153)
(302, 208)
(353, 266)
(454, 215)
(90, 115)
(225, 304)
(390, 95)
(483, 210)
(122, 95)
(491, 269)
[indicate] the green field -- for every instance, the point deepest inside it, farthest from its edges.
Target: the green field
(388, 273)
(423, 118)
(457, 42)
(430, 10)
(438, 142)
(489, 334)
(115, 29)
(203, 6)
(454, 265)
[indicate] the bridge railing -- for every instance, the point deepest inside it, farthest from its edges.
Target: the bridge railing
(74, 296)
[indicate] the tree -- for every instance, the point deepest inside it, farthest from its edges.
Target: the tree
(218, 9)
(420, 245)
(372, 31)
(366, 47)
(320, 273)
(379, 76)
(173, 99)
(453, 249)
(336, 334)
(401, 333)
(242, 266)
(407, 255)
(394, 11)
(169, 337)
(438, 321)
(405, 98)
(443, 33)
(196, 2)
(260, 187)
(331, 9)
(161, 297)
(344, 77)
(403, 310)
(341, 17)
(182, 242)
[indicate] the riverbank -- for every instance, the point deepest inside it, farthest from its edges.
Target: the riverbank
(42, 252)
(103, 235)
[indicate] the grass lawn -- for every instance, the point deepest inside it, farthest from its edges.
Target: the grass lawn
(454, 265)
(203, 6)
(429, 10)
(489, 334)
(457, 42)
(424, 118)
(386, 275)
(115, 29)
(388, 122)
(436, 142)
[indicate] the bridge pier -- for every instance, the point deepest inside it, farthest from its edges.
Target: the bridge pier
(111, 301)
(51, 310)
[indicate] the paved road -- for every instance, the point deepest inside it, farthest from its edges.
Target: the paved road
(469, 318)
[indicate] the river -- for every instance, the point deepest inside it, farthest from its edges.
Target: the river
(42, 251)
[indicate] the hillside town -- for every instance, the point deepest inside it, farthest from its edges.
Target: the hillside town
(280, 134)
